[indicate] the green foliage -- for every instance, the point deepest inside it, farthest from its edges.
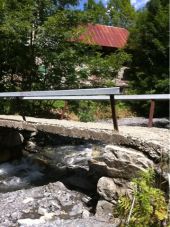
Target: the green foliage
(96, 12)
(149, 46)
(104, 66)
(36, 34)
(150, 208)
(38, 52)
(118, 13)
(124, 110)
(121, 13)
(86, 111)
(58, 104)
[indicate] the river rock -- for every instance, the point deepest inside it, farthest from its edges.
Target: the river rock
(119, 162)
(104, 210)
(87, 222)
(85, 214)
(31, 147)
(52, 201)
(110, 189)
(30, 222)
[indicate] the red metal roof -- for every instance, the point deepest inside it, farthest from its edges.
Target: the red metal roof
(106, 36)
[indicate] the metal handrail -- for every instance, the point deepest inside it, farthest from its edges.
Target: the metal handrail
(95, 94)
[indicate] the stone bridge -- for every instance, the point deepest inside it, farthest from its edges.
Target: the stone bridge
(154, 137)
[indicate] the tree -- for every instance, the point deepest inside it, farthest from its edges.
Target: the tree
(118, 13)
(121, 13)
(38, 51)
(96, 12)
(149, 46)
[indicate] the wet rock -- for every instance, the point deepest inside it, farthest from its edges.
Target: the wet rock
(119, 162)
(31, 147)
(111, 189)
(70, 157)
(86, 199)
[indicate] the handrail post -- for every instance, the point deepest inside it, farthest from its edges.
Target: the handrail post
(114, 117)
(151, 113)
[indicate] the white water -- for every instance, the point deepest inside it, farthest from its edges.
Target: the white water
(25, 173)
(19, 174)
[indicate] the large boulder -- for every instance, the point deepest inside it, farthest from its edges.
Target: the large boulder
(119, 162)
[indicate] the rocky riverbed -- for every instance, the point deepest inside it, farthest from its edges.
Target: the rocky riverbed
(68, 194)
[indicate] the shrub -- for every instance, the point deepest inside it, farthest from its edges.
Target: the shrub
(86, 111)
(148, 208)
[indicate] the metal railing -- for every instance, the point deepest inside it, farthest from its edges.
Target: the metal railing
(94, 94)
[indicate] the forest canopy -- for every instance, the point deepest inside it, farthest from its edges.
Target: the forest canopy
(36, 52)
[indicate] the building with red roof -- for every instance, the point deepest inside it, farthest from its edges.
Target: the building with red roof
(105, 36)
(109, 38)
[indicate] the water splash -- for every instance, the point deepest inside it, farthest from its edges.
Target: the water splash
(28, 171)
(19, 174)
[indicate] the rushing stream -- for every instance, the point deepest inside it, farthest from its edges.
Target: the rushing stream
(19, 174)
(50, 164)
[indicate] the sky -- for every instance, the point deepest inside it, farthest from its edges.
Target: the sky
(136, 3)
(139, 3)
